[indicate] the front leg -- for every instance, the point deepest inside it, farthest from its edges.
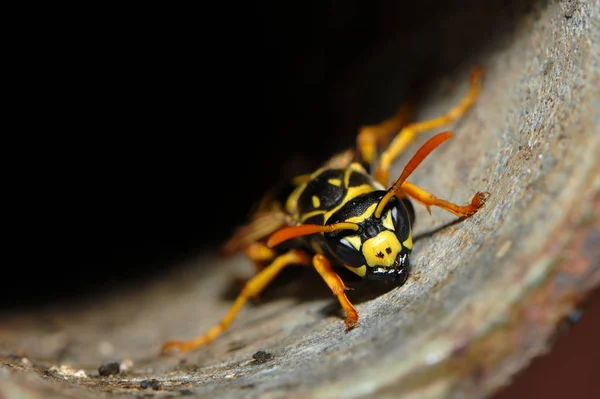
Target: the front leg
(335, 283)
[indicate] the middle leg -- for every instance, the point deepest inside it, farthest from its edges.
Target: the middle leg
(429, 200)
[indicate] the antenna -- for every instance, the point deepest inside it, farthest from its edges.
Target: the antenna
(289, 232)
(410, 167)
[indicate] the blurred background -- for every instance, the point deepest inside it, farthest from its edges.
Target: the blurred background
(168, 132)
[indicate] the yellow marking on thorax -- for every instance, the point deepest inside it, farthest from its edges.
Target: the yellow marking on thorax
(292, 200)
(352, 192)
(360, 218)
(304, 217)
(353, 167)
(316, 201)
(357, 167)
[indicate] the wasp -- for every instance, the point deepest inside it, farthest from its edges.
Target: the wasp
(345, 215)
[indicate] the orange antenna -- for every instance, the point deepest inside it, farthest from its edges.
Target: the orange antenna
(289, 232)
(410, 167)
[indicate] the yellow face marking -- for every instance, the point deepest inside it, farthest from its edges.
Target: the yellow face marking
(354, 241)
(335, 182)
(316, 201)
(387, 221)
(382, 249)
(361, 270)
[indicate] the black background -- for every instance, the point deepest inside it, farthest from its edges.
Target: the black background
(152, 132)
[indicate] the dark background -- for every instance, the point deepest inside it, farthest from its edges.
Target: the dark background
(155, 133)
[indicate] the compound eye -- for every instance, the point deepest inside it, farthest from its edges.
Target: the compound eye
(347, 253)
(400, 218)
(395, 215)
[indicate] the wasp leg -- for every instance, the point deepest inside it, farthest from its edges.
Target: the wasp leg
(335, 283)
(429, 199)
(253, 287)
(409, 132)
(370, 137)
(260, 254)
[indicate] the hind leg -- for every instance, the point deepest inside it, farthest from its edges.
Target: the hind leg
(409, 132)
(253, 287)
(371, 137)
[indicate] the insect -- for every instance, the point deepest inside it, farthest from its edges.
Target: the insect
(345, 215)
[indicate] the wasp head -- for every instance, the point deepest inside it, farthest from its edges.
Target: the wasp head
(379, 249)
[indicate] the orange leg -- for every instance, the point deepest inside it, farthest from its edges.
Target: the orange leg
(429, 199)
(260, 254)
(409, 132)
(252, 288)
(371, 136)
(335, 283)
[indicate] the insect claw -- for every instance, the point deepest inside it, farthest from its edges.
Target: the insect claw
(171, 347)
(479, 199)
(351, 324)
